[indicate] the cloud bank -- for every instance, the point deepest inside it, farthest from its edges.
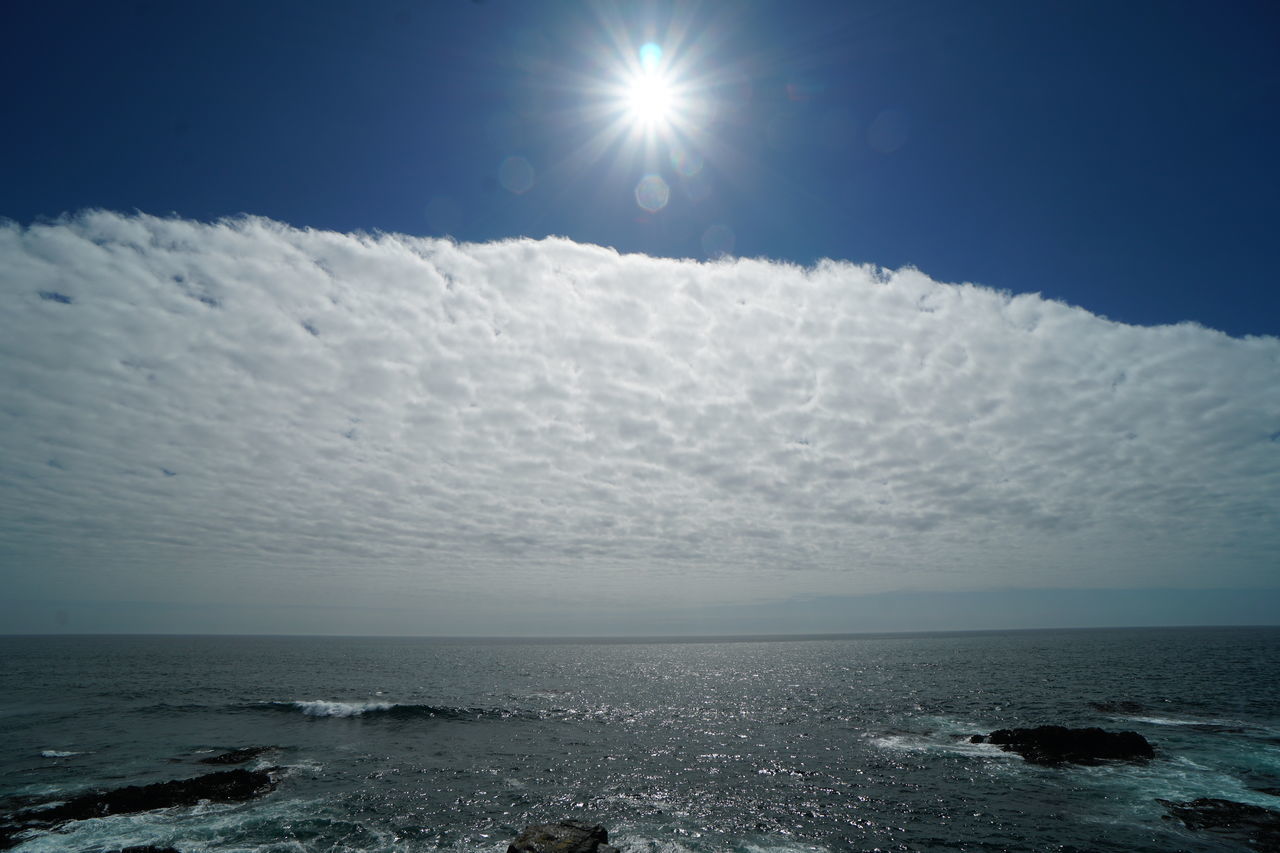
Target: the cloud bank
(244, 412)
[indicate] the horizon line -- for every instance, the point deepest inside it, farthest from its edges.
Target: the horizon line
(647, 638)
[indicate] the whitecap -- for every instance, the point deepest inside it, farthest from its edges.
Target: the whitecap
(947, 741)
(646, 844)
(909, 743)
(57, 753)
(326, 708)
(308, 765)
(1173, 721)
(639, 843)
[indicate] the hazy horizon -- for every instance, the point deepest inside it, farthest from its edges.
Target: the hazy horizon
(606, 639)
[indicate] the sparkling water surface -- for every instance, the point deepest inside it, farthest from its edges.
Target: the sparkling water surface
(856, 743)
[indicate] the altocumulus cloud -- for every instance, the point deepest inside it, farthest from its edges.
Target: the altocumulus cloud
(244, 411)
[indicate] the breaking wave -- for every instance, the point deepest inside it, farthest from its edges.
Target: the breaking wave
(1223, 726)
(325, 708)
(394, 710)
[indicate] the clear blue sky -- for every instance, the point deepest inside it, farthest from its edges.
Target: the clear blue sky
(298, 421)
(1118, 156)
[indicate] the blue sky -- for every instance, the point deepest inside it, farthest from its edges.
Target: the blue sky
(903, 316)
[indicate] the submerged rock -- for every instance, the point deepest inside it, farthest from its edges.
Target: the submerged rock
(1254, 826)
(567, 836)
(1061, 745)
(226, 786)
(237, 756)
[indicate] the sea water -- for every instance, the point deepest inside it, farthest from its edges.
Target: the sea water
(825, 744)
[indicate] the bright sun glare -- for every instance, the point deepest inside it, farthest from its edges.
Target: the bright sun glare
(649, 98)
(650, 95)
(652, 110)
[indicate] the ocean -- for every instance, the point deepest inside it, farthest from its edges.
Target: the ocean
(852, 743)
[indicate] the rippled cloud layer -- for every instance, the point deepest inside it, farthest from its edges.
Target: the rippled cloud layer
(246, 412)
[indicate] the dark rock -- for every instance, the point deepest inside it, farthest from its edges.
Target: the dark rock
(226, 786)
(1060, 745)
(567, 836)
(1122, 707)
(1254, 826)
(237, 756)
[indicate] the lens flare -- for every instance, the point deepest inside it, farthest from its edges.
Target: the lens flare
(650, 56)
(516, 175)
(652, 193)
(685, 160)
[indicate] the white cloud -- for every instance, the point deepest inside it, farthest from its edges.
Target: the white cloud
(249, 412)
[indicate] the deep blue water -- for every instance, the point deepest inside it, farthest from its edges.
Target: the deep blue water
(824, 745)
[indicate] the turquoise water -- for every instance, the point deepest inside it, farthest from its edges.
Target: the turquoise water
(826, 745)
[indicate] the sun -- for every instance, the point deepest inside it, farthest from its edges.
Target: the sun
(647, 107)
(650, 96)
(650, 99)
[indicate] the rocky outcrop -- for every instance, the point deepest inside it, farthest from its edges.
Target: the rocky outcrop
(1253, 826)
(227, 786)
(237, 756)
(1060, 745)
(567, 836)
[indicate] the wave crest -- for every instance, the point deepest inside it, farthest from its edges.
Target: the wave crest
(326, 708)
(335, 708)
